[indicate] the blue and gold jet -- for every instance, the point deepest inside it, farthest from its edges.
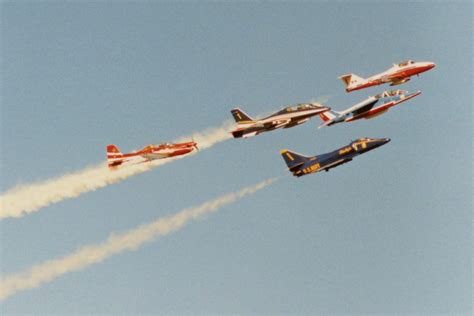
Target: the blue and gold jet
(300, 165)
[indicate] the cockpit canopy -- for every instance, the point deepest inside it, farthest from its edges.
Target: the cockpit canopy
(304, 106)
(364, 139)
(301, 106)
(405, 63)
(153, 146)
(390, 93)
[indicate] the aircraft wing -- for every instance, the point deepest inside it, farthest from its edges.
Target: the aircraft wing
(277, 123)
(361, 107)
(399, 80)
(153, 156)
(249, 134)
(335, 164)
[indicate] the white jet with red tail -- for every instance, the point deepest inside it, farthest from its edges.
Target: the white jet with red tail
(397, 74)
(151, 152)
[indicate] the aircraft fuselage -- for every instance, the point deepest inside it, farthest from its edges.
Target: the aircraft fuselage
(395, 75)
(149, 153)
(286, 118)
(332, 159)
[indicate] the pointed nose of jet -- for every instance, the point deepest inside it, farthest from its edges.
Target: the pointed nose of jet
(427, 65)
(430, 65)
(381, 142)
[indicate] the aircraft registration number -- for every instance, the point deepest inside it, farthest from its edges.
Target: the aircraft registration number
(312, 168)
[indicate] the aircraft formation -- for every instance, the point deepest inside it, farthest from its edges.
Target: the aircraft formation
(300, 165)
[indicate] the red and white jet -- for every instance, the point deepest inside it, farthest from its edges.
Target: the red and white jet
(151, 152)
(369, 108)
(397, 74)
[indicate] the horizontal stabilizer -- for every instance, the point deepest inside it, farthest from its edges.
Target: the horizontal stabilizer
(241, 133)
(250, 134)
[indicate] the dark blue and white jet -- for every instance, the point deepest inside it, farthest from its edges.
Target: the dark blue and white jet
(301, 165)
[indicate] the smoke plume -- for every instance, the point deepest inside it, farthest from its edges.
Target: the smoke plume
(29, 198)
(115, 244)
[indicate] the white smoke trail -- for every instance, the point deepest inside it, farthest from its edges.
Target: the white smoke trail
(29, 198)
(131, 240)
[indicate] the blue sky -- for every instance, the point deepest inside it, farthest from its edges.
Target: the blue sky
(390, 232)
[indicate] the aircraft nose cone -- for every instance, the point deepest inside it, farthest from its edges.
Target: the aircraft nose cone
(431, 65)
(386, 140)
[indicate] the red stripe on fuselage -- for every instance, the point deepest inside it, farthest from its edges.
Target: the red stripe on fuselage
(409, 71)
(373, 111)
(116, 159)
(400, 74)
(383, 107)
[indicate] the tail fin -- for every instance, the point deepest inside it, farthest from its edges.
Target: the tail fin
(351, 79)
(113, 150)
(241, 117)
(113, 156)
(292, 159)
(328, 115)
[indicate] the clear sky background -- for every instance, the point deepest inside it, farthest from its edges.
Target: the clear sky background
(390, 232)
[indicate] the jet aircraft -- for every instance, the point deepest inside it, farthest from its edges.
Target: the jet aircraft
(397, 74)
(151, 152)
(286, 118)
(300, 165)
(369, 108)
